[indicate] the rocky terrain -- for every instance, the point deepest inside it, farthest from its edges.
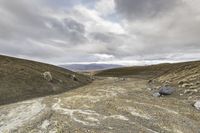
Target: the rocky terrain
(185, 77)
(107, 105)
(124, 102)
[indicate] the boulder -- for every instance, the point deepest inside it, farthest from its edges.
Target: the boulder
(166, 90)
(197, 105)
(47, 76)
(74, 77)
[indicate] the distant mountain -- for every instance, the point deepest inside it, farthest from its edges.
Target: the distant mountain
(90, 67)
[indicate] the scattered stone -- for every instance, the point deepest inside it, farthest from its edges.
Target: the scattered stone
(157, 87)
(197, 105)
(181, 82)
(74, 77)
(157, 94)
(193, 87)
(47, 76)
(190, 91)
(190, 97)
(149, 89)
(185, 85)
(123, 79)
(181, 94)
(150, 81)
(166, 90)
(167, 82)
(92, 78)
(197, 83)
(60, 81)
(166, 85)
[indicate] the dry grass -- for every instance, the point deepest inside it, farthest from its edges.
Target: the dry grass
(22, 79)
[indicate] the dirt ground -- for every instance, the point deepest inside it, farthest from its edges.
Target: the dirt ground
(108, 105)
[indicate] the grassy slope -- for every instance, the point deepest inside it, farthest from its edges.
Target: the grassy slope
(163, 72)
(188, 72)
(22, 79)
(141, 71)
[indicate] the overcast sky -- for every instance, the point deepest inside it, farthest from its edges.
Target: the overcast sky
(113, 31)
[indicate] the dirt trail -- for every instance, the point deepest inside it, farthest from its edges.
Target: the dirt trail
(108, 105)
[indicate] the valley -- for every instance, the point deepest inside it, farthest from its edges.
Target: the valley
(106, 105)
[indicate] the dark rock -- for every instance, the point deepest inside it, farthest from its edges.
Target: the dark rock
(166, 90)
(150, 81)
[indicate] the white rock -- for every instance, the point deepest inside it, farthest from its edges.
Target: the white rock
(47, 76)
(197, 105)
(149, 89)
(157, 94)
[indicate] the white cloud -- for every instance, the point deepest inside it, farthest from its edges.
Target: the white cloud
(94, 22)
(105, 7)
(104, 57)
(47, 32)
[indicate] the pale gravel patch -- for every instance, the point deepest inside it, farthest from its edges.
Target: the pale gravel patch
(70, 112)
(113, 91)
(90, 98)
(120, 117)
(45, 124)
(156, 106)
(149, 130)
(103, 94)
(138, 113)
(16, 115)
(90, 117)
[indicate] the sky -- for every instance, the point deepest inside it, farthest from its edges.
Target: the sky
(128, 32)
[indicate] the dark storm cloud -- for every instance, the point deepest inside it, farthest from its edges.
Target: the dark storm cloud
(134, 9)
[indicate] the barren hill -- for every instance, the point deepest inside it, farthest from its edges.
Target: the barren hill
(176, 73)
(23, 79)
(119, 101)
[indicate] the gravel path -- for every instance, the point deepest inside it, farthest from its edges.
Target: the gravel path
(108, 105)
